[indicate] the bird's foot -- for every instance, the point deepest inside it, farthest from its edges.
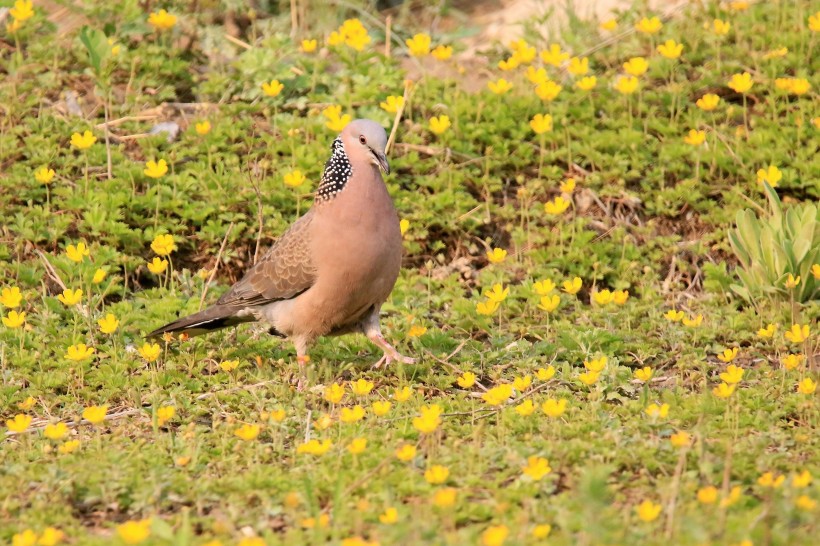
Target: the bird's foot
(393, 355)
(302, 360)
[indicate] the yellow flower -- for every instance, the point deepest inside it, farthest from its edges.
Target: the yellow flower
(324, 421)
(525, 409)
(545, 374)
(654, 410)
(768, 331)
(14, 26)
(798, 333)
(578, 66)
(429, 419)
(361, 387)
(389, 517)
(708, 102)
(695, 137)
(294, 178)
(308, 46)
(523, 52)
(636, 66)
(69, 447)
(771, 174)
(814, 22)
(496, 255)
(728, 355)
(541, 123)
(95, 414)
(494, 535)
(792, 281)
(163, 245)
(602, 297)
(229, 365)
(444, 497)
(522, 383)
(508, 64)
(252, 541)
(807, 386)
(335, 38)
(487, 308)
(334, 393)
(406, 452)
(609, 25)
(572, 286)
(392, 104)
(741, 83)
(648, 511)
(247, 432)
(403, 394)
(44, 175)
(721, 28)
(108, 324)
(739, 5)
(272, 88)
(165, 414)
(20, 423)
(549, 303)
(732, 375)
(26, 538)
(315, 447)
(436, 474)
(643, 374)
(99, 276)
(500, 86)
(440, 124)
(649, 26)
(587, 83)
(381, 407)
(278, 415)
(51, 537)
(419, 44)
(70, 297)
(544, 288)
(776, 53)
(568, 186)
(416, 331)
(155, 169)
(11, 297)
(77, 253)
(537, 467)
(337, 124)
(498, 395)
(620, 297)
(693, 322)
(799, 86)
(626, 85)
(815, 269)
(162, 20)
(548, 90)
(680, 439)
(792, 361)
(708, 494)
(14, 319)
(723, 390)
(802, 480)
(556, 206)
(404, 225)
(27, 404)
(498, 293)
(554, 408)
(536, 75)
(442, 52)
(84, 141)
(768, 479)
(466, 380)
(589, 378)
(805, 503)
(670, 49)
(134, 532)
(554, 56)
(79, 352)
(22, 10)
(157, 265)
(357, 446)
(352, 415)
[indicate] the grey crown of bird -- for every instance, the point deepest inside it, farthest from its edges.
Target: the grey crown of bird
(332, 270)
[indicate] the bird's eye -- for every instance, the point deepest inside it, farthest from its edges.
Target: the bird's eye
(362, 139)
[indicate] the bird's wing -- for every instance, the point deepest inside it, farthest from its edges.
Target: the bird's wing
(284, 272)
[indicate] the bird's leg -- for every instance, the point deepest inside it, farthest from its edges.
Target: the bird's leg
(302, 358)
(374, 334)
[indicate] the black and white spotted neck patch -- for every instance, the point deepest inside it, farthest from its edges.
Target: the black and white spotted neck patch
(337, 172)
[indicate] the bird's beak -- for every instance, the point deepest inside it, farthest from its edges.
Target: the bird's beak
(382, 161)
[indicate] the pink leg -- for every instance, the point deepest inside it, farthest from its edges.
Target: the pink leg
(390, 352)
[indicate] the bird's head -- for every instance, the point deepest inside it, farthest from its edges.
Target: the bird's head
(365, 141)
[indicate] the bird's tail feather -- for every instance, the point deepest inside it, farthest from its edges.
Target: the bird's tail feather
(207, 320)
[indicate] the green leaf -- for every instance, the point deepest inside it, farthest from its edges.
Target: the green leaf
(96, 44)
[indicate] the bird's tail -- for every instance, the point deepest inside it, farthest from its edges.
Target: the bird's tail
(207, 320)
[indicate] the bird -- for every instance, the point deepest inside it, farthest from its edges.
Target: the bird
(333, 268)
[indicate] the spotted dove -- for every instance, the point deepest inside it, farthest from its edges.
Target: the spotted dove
(332, 270)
